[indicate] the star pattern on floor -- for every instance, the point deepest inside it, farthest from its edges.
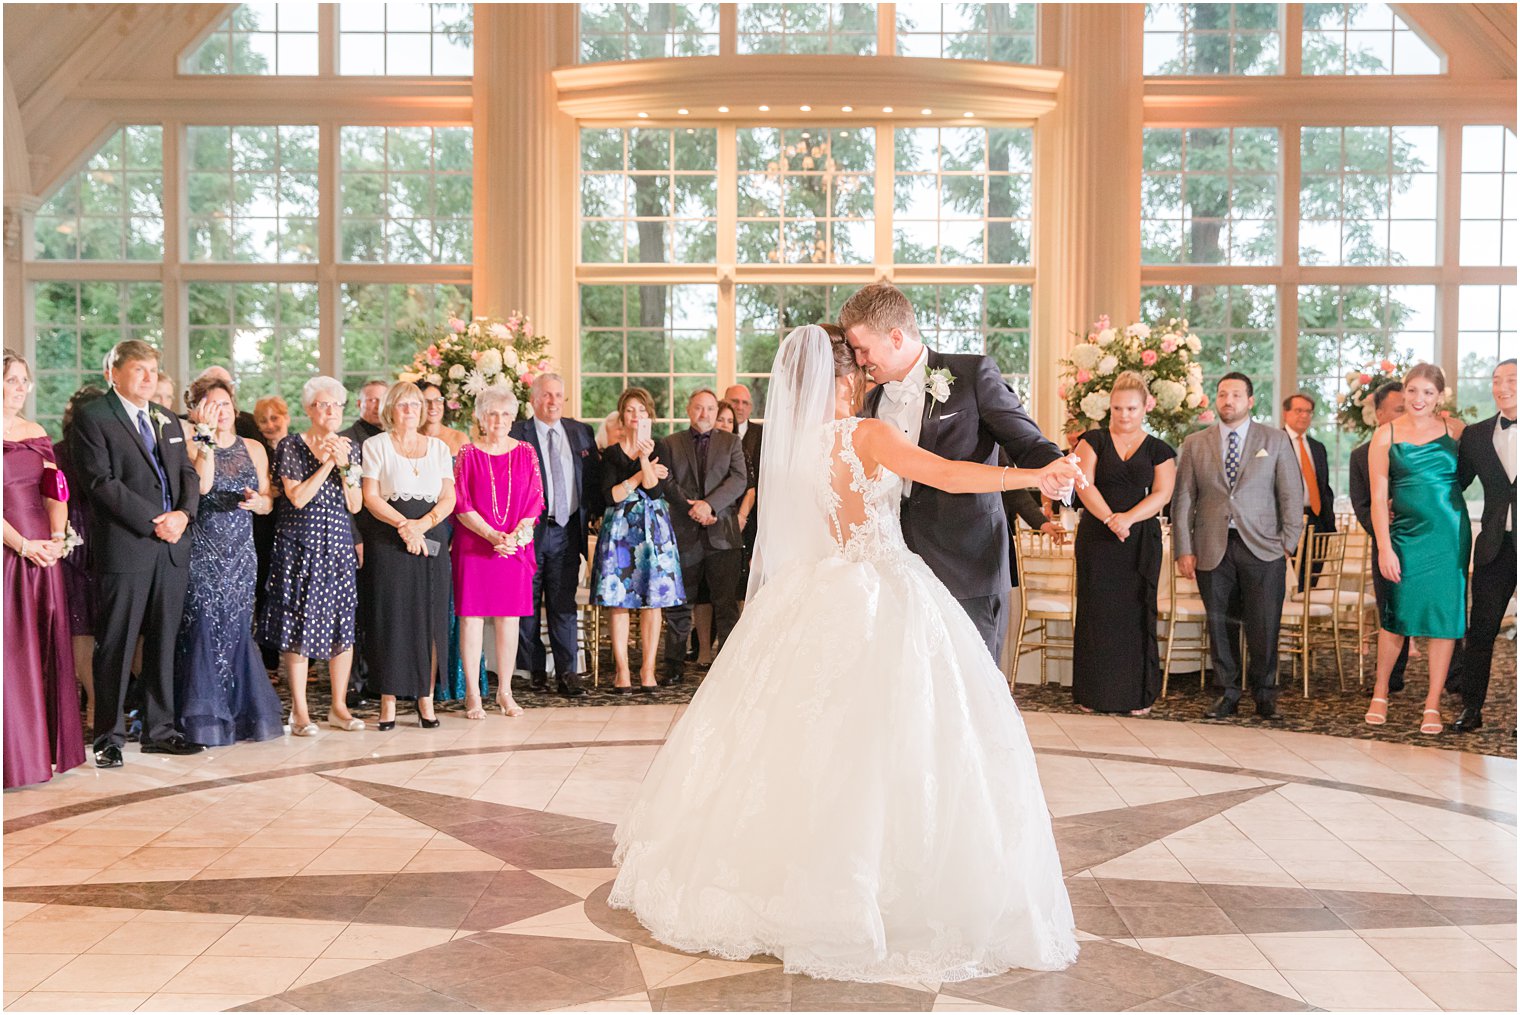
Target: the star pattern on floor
(538, 934)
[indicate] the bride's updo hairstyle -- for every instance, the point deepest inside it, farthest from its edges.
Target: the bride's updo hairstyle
(844, 363)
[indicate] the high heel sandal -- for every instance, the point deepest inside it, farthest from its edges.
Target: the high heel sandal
(1377, 718)
(475, 712)
(509, 708)
(1432, 728)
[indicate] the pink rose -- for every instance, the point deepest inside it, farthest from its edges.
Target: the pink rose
(453, 404)
(1168, 345)
(458, 325)
(543, 366)
(476, 355)
(1150, 402)
(1083, 376)
(527, 378)
(1365, 379)
(1061, 392)
(1386, 366)
(1206, 416)
(1148, 357)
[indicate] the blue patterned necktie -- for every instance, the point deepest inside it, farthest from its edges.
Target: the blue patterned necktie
(561, 506)
(146, 430)
(1232, 458)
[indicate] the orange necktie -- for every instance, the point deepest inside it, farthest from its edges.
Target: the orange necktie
(1310, 480)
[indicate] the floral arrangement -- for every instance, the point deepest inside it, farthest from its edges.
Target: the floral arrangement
(1354, 410)
(1166, 356)
(464, 358)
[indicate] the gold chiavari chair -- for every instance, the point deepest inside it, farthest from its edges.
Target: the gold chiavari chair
(1307, 620)
(1047, 594)
(1182, 603)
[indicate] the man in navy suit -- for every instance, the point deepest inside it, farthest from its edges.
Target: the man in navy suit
(1487, 453)
(959, 407)
(570, 467)
(1313, 464)
(143, 494)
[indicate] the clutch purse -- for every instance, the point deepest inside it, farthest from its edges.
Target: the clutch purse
(54, 485)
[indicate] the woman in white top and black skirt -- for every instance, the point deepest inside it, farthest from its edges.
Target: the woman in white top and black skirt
(409, 494)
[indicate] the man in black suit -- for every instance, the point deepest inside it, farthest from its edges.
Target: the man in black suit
(707, 480)
(1313, 463)
(959, 407)
(371, 397)
(143, 494)
(1387, 405)
(1487, 453)
(570, 467)
(750, 437)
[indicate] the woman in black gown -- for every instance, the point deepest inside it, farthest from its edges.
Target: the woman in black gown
(1116, 666)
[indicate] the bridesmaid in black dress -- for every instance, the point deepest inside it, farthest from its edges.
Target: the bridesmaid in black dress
(1116, 666)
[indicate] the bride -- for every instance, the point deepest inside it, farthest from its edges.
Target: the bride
(852, 789)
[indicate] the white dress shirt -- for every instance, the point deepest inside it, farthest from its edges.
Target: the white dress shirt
(1300, 450)
(1241, 428)
(742, 429)
(567, 464)
(902, 403)
(1504, 445)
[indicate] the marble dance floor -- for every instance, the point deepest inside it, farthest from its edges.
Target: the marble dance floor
(1211, 866)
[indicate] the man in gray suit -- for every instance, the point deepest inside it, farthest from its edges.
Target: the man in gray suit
(707, 480)
(1237, 513)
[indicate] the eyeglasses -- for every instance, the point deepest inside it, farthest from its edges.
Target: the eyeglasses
(409, 405)
(325, 406)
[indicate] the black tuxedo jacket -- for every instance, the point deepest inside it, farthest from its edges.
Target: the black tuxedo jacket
(727, 479)
(752, 439)
(123, 487)
(964, 536)
(588, 475)
(1477, 458)
(1361, 486)
(1325, 522)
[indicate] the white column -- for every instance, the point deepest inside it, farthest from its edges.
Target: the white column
(1088, 201)
(19, 212)
(524, 171)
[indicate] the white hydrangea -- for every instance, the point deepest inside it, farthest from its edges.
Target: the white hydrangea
(1140, 331)
(457, 372)
(509, 358)
(489, 363)
(1193, 344)
(1108, 364)
(1169, 394)
(1369, 414)
(1106, 336)
(1195, 373)
(1195, 399)
(1085, 356)
(435, 378)
(1095, 405)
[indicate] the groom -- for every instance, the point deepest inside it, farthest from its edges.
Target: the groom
(958, 407)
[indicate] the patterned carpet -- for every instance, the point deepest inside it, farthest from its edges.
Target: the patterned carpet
(1327, 710)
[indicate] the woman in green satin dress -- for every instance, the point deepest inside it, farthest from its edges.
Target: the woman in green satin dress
(1424, 538)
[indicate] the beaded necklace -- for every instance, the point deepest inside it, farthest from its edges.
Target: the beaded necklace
(498, 516)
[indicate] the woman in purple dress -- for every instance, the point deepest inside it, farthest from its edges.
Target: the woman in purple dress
(42, 729)
(498, 498)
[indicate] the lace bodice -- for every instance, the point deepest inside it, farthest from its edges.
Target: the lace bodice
(863, 510)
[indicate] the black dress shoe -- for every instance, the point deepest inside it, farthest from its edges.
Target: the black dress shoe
(385, 725)
(108, 756)
(1470, 719)
(621, 691)
(571, 689)
(674, 679)
(1221, 709)
(1267, 710)
(539, 682)
(171, 745)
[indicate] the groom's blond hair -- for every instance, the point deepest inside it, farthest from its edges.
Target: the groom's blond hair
(880, 306)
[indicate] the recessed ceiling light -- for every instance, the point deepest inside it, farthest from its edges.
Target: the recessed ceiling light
(968, 113)
(848, 109)
(886, 109)
(722, 109)
(643, 116)
(691, 130)
(926, 112)
(765, 109)
(806, 109)
(683, 112)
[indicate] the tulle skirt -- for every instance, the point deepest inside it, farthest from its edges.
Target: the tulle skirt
(852, 791)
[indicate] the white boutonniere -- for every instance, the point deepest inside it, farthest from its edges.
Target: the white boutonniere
(937, 385)
(160, 419)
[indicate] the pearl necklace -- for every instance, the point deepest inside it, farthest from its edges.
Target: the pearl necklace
(498, 516)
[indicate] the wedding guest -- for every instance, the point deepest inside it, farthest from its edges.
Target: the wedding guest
(728, 422)
(707, 482)
(164, 391)
(222, 692)
(309, 610)
(78, 579)
(143, 495)
(1115, 665)
(638, 566)
(499, 496)
(371, 397)
(409, 494)
(1237, 511)
(701, 607)
(752, 434)
(1423, 548)
(433, 407)
(1313, 465)
(244, 425)
(272, 417)
(1387, 405)
(41, 731)
(609, 432)
(569, 466)
(1487, 453)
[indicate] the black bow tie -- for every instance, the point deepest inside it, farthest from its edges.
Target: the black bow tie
(1505, 423)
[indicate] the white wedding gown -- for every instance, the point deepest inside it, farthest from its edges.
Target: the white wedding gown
(852, 789)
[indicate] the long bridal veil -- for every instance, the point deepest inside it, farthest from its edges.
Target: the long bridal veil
(792, 508)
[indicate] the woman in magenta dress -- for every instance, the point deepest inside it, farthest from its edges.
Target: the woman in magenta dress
(498, 497)
(42, 728)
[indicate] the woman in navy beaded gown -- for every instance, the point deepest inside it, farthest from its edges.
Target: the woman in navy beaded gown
(222, 692)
